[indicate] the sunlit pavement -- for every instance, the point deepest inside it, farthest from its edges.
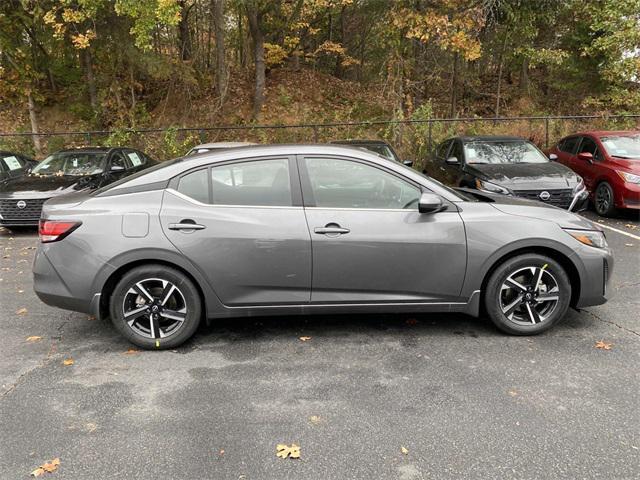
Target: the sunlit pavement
(464, 400)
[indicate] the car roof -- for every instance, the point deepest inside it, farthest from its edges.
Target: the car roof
(491, 138)
(88, 149)
(224, 145)
(359, 142)
(604, 133)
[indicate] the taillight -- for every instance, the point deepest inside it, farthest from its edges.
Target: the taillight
(54, 230)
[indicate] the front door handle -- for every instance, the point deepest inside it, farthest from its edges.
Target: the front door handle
(331, 229)
(186, 225)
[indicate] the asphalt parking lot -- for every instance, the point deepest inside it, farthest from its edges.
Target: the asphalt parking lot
(461, 399)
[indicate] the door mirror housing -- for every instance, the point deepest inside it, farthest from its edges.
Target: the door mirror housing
(408, 163)
(553, 157)
(430, 203)
(586, 156)
(452, 161)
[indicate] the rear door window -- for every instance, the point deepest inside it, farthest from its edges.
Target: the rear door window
(569, 145)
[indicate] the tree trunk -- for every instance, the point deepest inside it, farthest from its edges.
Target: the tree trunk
(454, 86)
(37, 145)
(255, 19)
(184, 33)
(87, 61)
(221, 64)
(524, 77)
(500, 66)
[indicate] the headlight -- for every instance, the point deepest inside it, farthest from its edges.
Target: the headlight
(593, 238)
(629, 177)
(491, 187)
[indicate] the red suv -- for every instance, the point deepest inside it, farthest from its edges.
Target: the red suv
(609, 163)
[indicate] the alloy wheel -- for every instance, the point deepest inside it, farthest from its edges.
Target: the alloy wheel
(529, 296)
(154, 308)
(603, 199)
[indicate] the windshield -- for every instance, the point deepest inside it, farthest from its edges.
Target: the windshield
(503, 152)
(622, 146)
(71, 163)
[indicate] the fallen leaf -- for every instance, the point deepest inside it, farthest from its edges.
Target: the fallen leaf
(19, 290)
(131, 351)
(304, 339)
(513, 393)
(603, 345)
(68, 361)
(315, 419)
(631, 226)
(628, 244)
(404, 451)
(48, 467)
(22, 311)
(91, 427)
(34, 338)
(284, 451)
(221, 452)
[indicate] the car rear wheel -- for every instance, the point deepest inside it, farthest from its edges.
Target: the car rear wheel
(603, 200)
(155, 307)
(527, 294)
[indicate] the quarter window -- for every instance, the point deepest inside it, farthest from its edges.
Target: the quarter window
(337, 183)
(195, 185)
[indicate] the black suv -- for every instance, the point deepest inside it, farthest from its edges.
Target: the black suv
(510, 166)
(66, 171)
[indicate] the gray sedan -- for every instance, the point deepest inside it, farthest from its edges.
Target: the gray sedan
(275, 230)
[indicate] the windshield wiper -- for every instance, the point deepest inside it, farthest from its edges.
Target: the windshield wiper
(626, 158)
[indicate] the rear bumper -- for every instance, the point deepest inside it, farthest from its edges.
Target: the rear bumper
(51, 288)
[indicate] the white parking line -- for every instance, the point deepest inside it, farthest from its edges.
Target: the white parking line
(622, 232)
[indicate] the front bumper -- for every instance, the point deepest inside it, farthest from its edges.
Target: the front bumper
(629, 196)
(595, 277)
(20, 212)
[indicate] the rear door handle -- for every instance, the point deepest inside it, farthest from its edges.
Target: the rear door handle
(186, 226)
(331, 229)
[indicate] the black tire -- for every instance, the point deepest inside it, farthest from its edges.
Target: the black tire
(182, 301)
(541, 313)
(604, 200)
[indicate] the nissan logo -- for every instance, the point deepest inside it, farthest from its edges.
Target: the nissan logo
(21, 204)
(545, 195)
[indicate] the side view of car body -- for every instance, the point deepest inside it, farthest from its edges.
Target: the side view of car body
(79, 169)
(510, 166)
(609, 163)
(298, 229)
(14, 165)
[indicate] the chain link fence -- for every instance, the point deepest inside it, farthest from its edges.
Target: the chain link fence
(413, 139)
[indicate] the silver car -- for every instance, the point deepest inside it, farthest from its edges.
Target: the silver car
(299, 229)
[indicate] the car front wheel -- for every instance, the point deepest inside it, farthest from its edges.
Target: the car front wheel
(603, 200)
(527, 294)
(155, 307)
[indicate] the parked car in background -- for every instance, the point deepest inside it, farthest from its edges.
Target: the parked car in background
(66, 171)
(298, 229)
(14, 165)
(509, 166)
(209, 147)
(609, 163)
(377, 146)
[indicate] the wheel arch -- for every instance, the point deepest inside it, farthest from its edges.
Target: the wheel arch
(563, 259)
(107, 279)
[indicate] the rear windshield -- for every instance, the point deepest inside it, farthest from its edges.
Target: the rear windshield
(622, 146)
(503, 152)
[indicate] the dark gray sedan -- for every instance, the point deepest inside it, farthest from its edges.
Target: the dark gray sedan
(274, 230)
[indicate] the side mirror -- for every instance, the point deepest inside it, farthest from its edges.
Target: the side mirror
(116, 168)
(553, 157)
(452, 161)
(586, 156)
(430, 203)
(408, 163)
